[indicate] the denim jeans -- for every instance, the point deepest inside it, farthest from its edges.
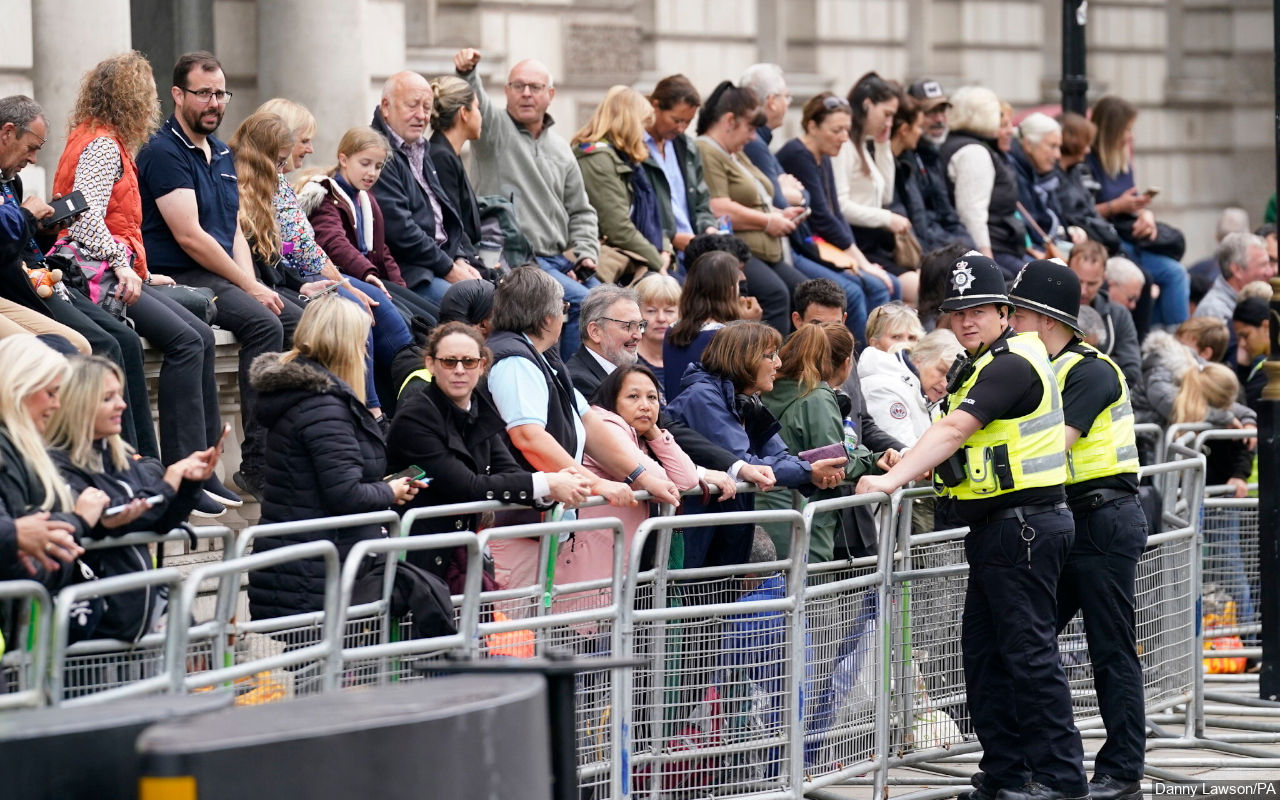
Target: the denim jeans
(1170, 308)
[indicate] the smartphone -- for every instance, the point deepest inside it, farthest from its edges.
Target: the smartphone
(802, 216)
(152, 501)
(1152, 191)
(65, 208)
(226, 429)
(412, 472)
(332, 288)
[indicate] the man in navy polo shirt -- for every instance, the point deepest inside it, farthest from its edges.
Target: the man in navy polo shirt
(190, 200)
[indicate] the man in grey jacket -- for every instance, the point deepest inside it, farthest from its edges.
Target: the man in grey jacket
(519, 156)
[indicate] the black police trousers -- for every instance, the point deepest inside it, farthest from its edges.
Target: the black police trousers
(1019, 700)
(1099, 581)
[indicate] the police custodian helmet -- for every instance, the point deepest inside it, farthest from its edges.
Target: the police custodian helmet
(1049, 287)
(975, 281)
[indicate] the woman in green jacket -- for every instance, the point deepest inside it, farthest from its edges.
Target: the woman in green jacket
(610, 149)
(816, 358)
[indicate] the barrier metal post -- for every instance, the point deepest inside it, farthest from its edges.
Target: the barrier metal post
(31, 659)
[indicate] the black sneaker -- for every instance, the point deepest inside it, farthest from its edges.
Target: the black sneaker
(248, 484)
(221, 494)
(207, 507)
(1107, 787)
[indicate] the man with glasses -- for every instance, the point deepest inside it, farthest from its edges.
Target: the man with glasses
(611, 329)
(190, 202)
(519, 156)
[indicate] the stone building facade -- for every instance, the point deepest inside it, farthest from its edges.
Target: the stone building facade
(1200, 70)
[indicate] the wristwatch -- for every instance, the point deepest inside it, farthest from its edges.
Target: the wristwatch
(635, 473)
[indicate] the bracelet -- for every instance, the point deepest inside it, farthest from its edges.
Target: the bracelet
(768, 220)
(635, 473)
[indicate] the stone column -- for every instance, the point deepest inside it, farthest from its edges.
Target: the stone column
(313, 52)
(70, 37)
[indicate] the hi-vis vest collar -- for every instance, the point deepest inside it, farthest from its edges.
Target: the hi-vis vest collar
(1009, 455)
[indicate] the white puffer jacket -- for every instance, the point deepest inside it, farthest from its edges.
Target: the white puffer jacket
(893, 396)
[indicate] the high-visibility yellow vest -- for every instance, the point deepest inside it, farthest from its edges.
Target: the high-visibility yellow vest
(1108, 447)
(423, 373)
(1009, 455)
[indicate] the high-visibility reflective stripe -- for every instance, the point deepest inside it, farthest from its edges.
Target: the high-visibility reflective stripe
(1044, 463)
(1040, 423)
(1126, 453)
(1121, 411)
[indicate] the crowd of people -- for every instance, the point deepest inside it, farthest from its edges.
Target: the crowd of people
(470, 305)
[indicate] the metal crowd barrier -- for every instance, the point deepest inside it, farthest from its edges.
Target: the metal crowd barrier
(24, 664)
(763, 680)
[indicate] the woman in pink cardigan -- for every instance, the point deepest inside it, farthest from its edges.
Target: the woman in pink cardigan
(628, 401)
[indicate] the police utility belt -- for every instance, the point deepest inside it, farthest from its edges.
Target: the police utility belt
(1097, 499)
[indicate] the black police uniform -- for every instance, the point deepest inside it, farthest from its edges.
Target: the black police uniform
(1019, 699)
(1100, 575)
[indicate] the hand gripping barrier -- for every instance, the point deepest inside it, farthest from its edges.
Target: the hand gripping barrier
(313, 656)
(718, 709)
(24, 665)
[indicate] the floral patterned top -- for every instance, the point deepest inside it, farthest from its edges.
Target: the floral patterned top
(297, 237)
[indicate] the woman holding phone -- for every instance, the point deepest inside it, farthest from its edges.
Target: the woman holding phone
(325, 453)
(144, 495)
(456, 433)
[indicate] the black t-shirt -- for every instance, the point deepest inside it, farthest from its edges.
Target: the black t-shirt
(1091, 386)
(1007, 388)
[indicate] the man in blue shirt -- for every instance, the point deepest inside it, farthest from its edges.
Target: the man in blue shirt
(190, 201)
(685, 200)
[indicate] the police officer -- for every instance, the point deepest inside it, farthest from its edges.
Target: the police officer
(1111, 531)
(999, 452)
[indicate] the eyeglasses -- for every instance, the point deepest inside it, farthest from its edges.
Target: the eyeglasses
(24, 131)
(468, 363)
(566, 307)
(833, 102)
(205, 95)
(637, 326)
(769, 356)
(519, 86)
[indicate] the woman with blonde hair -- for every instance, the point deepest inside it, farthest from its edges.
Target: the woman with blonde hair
(815, 360)
(39, 525)
(325, 452)
(455, 120)
(84, 433)
(283, 241)
(981, 180)
(348, 223)
(659, 297)
(610, 149)
(301, 124)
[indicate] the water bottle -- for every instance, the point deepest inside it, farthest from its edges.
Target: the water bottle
(850, 437)
(723, 225)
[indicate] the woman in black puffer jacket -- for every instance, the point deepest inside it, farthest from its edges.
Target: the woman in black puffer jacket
(325, 453)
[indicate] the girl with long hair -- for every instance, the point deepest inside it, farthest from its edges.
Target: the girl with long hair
(721, 400)
(708, 302)
(115, 112)
(348, 223)
(280, 236)
(1117, 197)
(325, 452)
(610, 149)
(815, 360)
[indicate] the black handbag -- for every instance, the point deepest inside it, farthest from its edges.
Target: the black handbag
(199, 300)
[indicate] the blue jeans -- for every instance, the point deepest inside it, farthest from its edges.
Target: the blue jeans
(1175, 285)
(575, 293)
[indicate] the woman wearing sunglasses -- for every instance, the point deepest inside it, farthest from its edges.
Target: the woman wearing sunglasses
(457, 437)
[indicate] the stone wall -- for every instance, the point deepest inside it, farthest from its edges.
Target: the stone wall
(1199, 70)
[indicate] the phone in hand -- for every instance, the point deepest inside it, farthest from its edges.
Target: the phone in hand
(65, 208)
(802, 216)
(413, 472)
(1151, 192)
(152, 501)
(226, 429)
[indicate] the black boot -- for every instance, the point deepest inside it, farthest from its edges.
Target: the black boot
(1106, 787)
(1037, 791)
